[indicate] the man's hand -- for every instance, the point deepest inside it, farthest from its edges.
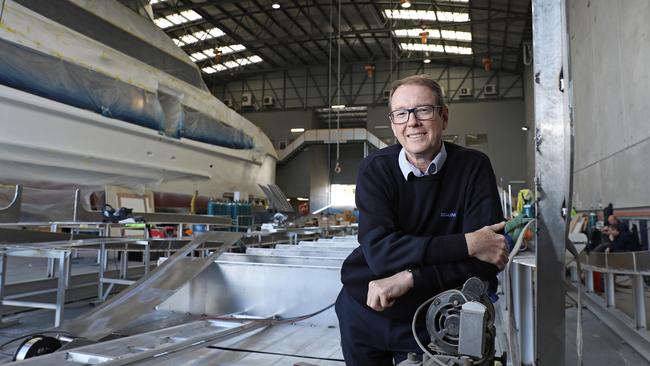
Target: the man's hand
(485, 244)
(382, 293)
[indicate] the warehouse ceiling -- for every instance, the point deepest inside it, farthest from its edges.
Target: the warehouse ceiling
(229, 39)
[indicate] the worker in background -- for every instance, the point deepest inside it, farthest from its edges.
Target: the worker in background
(429, 213)
(619, 240)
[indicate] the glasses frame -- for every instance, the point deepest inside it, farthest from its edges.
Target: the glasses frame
(391, 115)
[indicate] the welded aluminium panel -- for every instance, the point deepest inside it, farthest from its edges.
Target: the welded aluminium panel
(141, 298)
(552, 174)
(259, 289)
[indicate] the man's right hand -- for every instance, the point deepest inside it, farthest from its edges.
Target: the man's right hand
(485, 244)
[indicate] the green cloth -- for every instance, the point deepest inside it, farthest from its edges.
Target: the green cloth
(515, 226)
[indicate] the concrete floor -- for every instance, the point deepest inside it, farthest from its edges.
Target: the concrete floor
(602, 347)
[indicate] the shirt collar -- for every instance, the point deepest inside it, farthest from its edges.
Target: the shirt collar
(434, 167)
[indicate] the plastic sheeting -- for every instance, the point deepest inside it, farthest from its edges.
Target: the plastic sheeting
(206, 129)
(35, 72)
(52, 78)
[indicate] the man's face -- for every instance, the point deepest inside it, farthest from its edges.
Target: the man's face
(420, 138)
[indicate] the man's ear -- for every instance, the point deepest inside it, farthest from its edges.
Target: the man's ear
(444, 114)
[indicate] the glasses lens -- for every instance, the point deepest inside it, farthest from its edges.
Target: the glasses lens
(400, 116)
(424, 112)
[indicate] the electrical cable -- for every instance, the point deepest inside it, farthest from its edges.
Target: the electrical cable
(276, 353)
(513, 340)
(338, 93)
(272, 320)
(329, 110)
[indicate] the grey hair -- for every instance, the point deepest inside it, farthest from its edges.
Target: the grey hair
(421, 79)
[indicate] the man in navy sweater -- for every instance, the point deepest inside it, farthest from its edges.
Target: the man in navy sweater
(429, 213)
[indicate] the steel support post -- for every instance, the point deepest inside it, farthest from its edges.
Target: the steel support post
(527, 324)
(102, 268)
(552, 176)
(3, 277)
(589, 281)
(515, 295)
(60, 290)
(610, 290)
(639, 301)
(574, 274)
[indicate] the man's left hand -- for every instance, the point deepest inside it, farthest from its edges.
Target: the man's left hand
(383, 293)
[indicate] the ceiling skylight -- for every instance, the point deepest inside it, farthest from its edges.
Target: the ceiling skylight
(209, 52)
(434, 34)
(435, 48)
(177, 18)
(198, 36)
(441, 16)
(232, 64)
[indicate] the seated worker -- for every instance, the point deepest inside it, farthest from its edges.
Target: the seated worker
(429, 213)
(619, 241)
(613, 220)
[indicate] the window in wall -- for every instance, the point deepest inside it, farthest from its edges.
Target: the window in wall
(343, 194)
(477, 141)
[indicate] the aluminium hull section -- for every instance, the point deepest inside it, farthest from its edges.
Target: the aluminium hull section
(48, 141)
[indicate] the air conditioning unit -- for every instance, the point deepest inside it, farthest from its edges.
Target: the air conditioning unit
(465, 92)
(247, 100)
(228, 103)
(490, 89)
(267, 100)
(386, 94)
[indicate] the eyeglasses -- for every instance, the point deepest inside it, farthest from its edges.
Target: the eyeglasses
(423, 112)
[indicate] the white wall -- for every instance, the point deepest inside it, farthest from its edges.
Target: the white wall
(609, 56)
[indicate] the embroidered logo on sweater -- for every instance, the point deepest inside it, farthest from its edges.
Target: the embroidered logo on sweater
(448, 214)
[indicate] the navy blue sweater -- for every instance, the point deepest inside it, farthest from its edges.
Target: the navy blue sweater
(420, 224)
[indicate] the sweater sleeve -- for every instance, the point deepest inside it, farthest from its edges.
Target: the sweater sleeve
(386, 247)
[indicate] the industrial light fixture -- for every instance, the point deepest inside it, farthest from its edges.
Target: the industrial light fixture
(487, 62)
(424, 35)
(338, 106)
(370, 69)
(302, 199)
(275, 6)
(405, 4)
(427, 60)
(524, 128)
(297, 130)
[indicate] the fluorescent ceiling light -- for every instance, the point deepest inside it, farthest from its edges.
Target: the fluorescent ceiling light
(297, 130)
(524, 128)
(440, 16)
(427, 60)
(338, 106)
(434, 34)
(429, 47)
(209, 70)
(405, 4)
(302, 199)
(177, 18)
(275, 6)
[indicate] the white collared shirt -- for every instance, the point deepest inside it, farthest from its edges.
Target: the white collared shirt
(434, 167)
